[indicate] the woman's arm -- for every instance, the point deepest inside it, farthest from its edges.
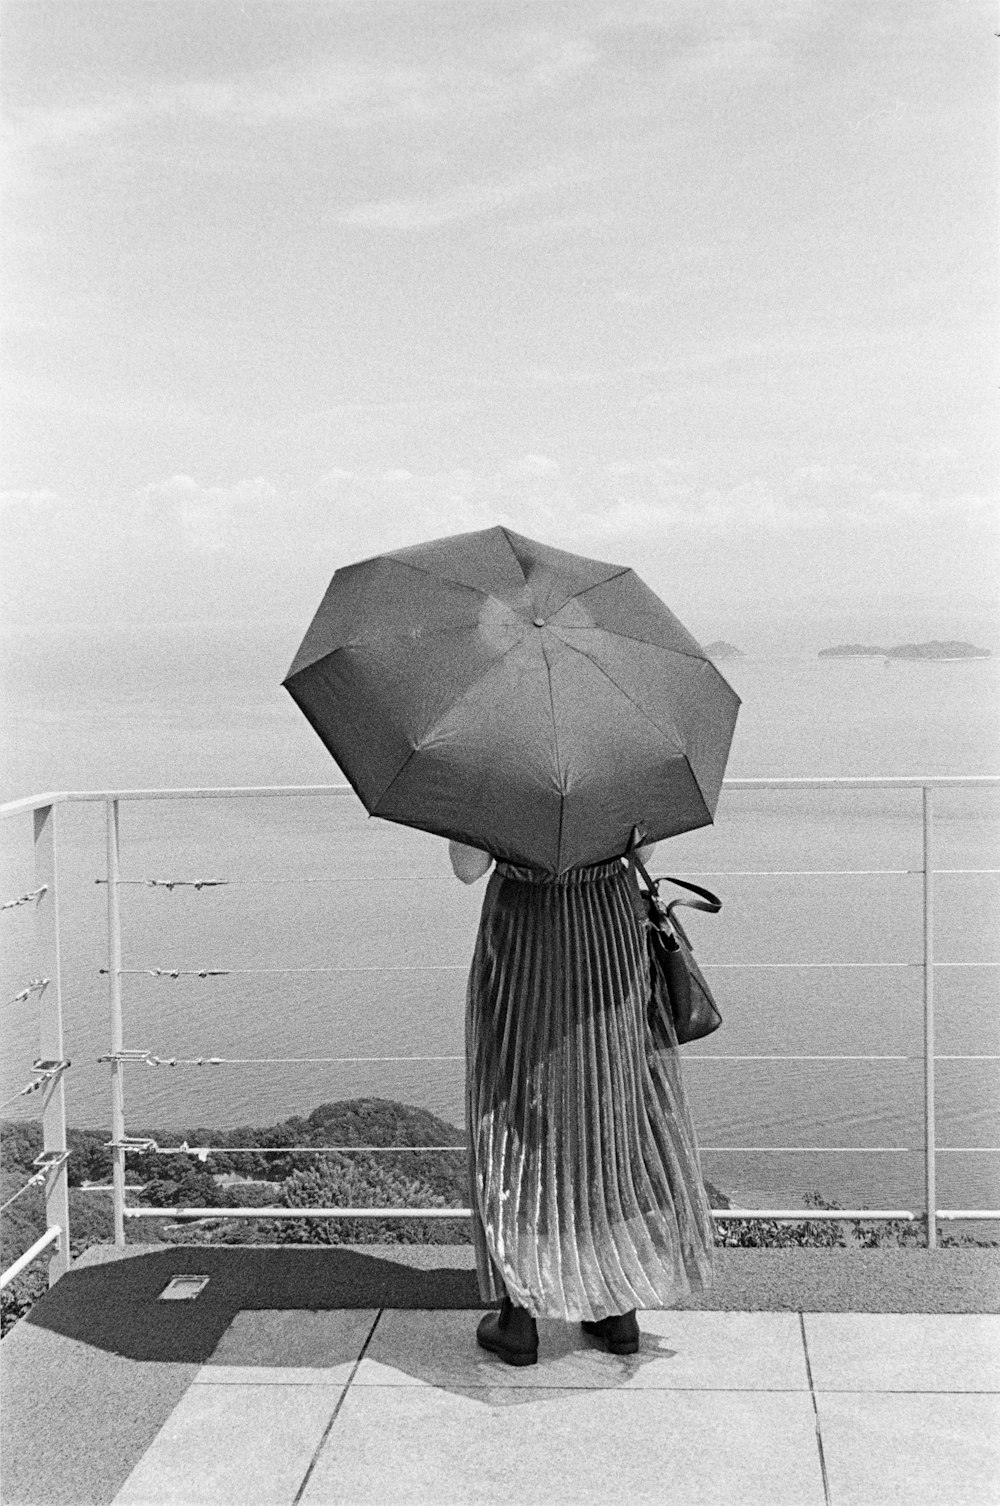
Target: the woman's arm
(469, 863)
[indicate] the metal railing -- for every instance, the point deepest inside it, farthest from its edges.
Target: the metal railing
(52, 1064)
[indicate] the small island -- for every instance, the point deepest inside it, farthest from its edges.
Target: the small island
(720, 649)
(936, 649)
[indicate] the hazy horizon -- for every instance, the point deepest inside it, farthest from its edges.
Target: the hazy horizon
(776, 635)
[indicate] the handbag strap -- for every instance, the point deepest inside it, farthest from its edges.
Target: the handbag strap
(706, 900)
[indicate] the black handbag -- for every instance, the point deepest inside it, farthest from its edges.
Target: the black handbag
(675, 975)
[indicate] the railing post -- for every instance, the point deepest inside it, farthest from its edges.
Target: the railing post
(929, 1048)
(115, 1002)
(50, 1031)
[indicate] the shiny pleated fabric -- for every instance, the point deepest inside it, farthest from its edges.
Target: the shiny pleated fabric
(584, 1178)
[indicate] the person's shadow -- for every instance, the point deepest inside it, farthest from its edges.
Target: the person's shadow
(440, 1350)
(319, 1309)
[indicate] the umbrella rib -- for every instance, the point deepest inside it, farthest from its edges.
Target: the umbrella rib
(631, 699)
(629, 637)
(555, 749)
(408, 565)
(343, 648)
(429, 730)
(437, 575)
(623, 570)
(680, 653)
(513, 551)
(641, 710)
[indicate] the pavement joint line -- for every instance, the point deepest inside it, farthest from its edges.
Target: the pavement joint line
(264, 1385)
(902, 1391)
(630, 1390)
(812, 1398)
(336, 1411)
(562, 1386)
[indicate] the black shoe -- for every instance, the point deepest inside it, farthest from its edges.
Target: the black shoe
(620, 1332)
(511, 1333)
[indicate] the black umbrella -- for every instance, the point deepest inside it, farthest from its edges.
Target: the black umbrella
(527, 701)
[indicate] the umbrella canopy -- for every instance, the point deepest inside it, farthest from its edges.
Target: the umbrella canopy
(527, 701)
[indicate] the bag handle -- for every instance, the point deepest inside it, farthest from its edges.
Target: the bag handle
(707, 901)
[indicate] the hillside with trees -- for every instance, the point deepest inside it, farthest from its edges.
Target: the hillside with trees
(208, 1169)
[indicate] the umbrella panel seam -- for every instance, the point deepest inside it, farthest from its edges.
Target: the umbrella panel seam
(408, 564)
(367, 641)
(428, 732)
(629, 638)
(492, 595)
(618, 571)
(437, 575)
(513, 551)
(631, 699)
(643, 713)
(555, 749)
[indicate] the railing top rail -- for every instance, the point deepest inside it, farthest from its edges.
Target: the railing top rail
(872, 782)
(211, 792)
(263, 791)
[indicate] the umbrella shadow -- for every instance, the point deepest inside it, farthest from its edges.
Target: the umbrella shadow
(112, 1304)
(320, 1309)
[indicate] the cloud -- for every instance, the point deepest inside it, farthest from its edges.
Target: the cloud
(468, 201)
(554, 376)
(624, 506)
(35, 504)
(361, 72)
(56, 395)
(181, 549)
(351, 80)
(207, 519)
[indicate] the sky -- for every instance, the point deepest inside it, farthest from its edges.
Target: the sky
(702, 287)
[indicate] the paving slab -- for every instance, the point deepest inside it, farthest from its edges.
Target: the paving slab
(75, 1419)
(723, 1351)
(678, 1351)
(903, 1351)
(274, 1338)
(237, 1445)
(102, 1354)
(535, 1447)
(911, 1449)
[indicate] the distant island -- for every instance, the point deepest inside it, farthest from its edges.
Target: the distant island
(720, 649)
(933, 650)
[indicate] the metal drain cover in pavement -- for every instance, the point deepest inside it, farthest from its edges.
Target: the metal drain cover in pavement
(183, 1288)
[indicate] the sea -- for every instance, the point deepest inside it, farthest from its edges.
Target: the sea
(328, 938)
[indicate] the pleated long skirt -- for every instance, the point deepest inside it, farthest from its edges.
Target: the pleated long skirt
(584, 1179)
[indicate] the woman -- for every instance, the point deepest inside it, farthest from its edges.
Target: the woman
(585, 1186)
